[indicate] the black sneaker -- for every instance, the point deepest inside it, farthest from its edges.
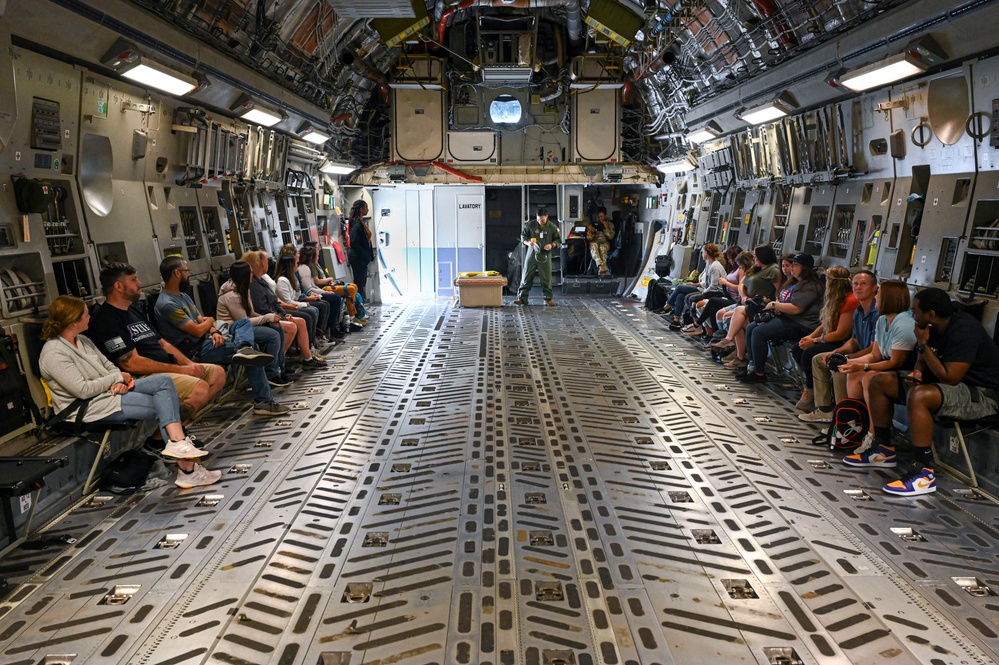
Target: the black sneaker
(754, 378)
(279, 381)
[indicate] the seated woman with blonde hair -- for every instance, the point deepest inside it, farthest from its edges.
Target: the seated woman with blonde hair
(75, 369)
(835, 327)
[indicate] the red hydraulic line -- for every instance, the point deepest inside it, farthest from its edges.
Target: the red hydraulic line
(456, 172)
(782, 30)
(448, 13)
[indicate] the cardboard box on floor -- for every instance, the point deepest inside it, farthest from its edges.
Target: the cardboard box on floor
(480, 291)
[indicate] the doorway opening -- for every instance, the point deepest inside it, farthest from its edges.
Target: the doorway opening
(504, 208)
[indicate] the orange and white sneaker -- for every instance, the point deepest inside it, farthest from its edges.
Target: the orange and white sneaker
(919, 480)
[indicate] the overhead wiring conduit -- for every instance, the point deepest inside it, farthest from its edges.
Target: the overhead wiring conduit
(573, 23)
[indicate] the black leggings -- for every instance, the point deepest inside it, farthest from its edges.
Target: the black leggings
(359, 267)
(712, 307)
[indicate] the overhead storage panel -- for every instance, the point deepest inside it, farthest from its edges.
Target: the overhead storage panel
(472, 148)
(418, 124)
(595, 126)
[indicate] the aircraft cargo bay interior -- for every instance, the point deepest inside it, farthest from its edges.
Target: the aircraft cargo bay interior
(499, 332)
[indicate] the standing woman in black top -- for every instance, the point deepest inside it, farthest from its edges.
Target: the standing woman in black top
(359, 246)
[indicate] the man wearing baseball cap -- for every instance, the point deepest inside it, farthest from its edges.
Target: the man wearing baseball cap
(541, 237)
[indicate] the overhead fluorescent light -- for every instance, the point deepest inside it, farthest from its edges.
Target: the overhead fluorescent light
(337, 168)
(915, 59)
(778, 108)
(710, 131)
(249, 110)
(126, 60)
(677, 166)
(312, 135)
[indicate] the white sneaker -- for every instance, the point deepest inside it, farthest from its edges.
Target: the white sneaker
(197, 477)
(816, 416)
(866, 445)
(183, 449)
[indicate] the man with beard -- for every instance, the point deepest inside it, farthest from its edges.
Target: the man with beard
(129, 341)
(200, 338)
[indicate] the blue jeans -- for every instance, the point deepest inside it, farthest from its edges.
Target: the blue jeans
(758, 336)
(243, 334)
(152, 398)
(270, 339)
(682, 291)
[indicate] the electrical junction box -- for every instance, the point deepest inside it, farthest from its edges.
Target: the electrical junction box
(472, 148)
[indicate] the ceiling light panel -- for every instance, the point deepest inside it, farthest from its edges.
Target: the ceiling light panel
(882, 73)
(155, 76)
(261, 117)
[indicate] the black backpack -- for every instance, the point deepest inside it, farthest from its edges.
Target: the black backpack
(850, 424)
(127, 472)
(657, 295)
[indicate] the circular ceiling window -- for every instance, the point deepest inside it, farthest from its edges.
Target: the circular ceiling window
(505, 110)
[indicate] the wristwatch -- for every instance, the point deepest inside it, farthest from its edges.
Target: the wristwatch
(919, 348)
(867, 367)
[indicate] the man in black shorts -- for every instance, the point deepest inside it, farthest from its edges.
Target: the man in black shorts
(956, 375)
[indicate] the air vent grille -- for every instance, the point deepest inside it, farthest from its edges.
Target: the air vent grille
(382, 9)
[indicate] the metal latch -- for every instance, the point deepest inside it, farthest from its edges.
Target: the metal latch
(907, 534)
(171, 541)
(558, 657)
(376, 539)
(549, 591)
(358, 592)
(705, 537)
(120, 594)
(542, 538)
(210, 500)
(782, 656)
(739, 589)
(973, 586)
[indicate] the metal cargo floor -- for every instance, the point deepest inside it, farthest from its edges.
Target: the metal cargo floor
(515, 486)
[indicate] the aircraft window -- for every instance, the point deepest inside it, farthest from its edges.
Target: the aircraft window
(505, 110)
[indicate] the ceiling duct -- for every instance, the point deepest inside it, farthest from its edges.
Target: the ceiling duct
(381, 9)
(350, 58)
